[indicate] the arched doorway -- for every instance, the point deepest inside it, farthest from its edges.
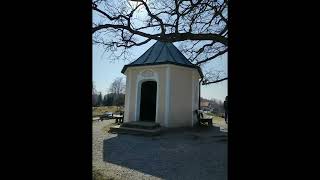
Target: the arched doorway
(148, 101)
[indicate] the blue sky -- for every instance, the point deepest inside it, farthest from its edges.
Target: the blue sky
(105, 71)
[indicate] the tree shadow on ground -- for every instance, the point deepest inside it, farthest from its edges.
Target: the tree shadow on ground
(173, 155)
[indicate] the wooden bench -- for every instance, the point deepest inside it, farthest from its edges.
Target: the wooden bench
(103, 117)
(203, 120)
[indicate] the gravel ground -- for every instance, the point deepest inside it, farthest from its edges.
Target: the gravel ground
(180, 154)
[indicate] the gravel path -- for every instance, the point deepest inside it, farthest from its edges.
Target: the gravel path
(180, 154)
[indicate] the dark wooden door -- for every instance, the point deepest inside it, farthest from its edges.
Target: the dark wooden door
(148, 101)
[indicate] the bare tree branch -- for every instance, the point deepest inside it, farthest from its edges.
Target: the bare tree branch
(172, 37)
(131, 23)
(213, 57)
(206, 83)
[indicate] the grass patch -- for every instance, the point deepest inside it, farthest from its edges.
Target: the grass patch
(210, 114)
(217, 119)
(105, 129)
(220, 121)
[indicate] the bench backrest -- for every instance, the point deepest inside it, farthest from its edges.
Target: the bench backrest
(199, 114)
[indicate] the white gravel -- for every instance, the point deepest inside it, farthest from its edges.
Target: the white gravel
(181, 154)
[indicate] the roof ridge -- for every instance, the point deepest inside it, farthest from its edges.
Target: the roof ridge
(171, 54)
(163, 44)
(179, 52)
(151, 49)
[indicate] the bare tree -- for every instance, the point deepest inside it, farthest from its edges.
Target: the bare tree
(117, 86)
(200, 24)
(94, 94)
(212, 76)
(116, 91)
(94, 91)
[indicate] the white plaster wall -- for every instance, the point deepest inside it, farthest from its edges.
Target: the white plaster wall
(177, 93)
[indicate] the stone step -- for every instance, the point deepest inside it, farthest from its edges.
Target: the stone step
(135, 131)
(141, 125)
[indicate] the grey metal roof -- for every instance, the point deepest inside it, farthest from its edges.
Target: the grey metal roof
(162, 53)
